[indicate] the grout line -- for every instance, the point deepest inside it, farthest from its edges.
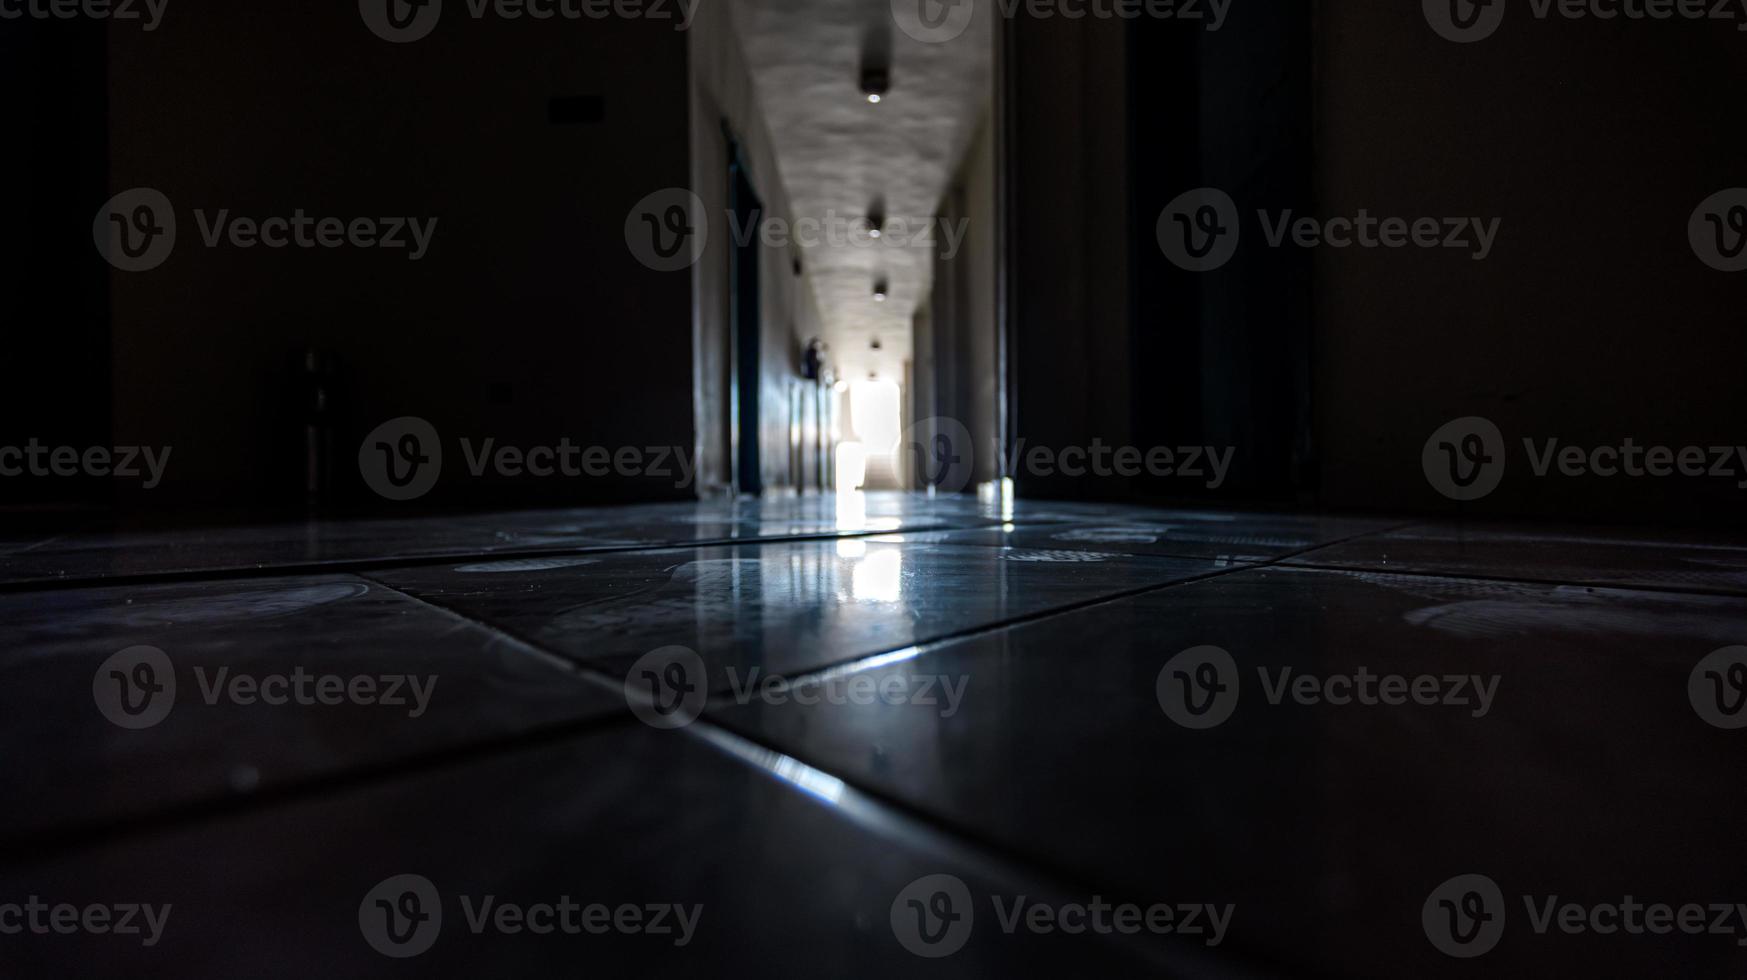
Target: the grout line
(32, 847)
(96, 833)
(967, 845)
(851, 665)
(355, 566)
(1519, 580)
(51, 539)
(609, 678)
(75, 836)
(596, 671)
(929, 834)
(928, 645)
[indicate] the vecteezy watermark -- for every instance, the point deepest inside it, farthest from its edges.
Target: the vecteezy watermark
(836, 230)
(136, 231)
(1717, 688)
(667, 688)
(861, 689)
(933, 917)
(40, 918)
(402, 459)
(940, 450)
(1465, 460)
(1465, 917)
(1718, 230)
(939, 21)
(402, 917)
(1200, 687)
(136, 688)
(1199, 231)
(1210, 464)
(667, 231)
(120, 462)
(125, 11)
(1467, 21)
(404, 21)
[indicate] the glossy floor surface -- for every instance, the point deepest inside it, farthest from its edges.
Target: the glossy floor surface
(879, 736)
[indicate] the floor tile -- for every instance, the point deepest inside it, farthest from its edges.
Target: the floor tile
(780, 608)
(1228, 537)
(114, 553)
(1590, 773)
(1681, 561)
(96, 553)
(90, 744)
(780, 870)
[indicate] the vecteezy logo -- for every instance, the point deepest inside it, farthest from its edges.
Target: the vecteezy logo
(136, 230)
(400, 21)
(1198, 688)
(1198, 231)
(667, 688)
(932, 916)
(1464, 460)
(1718, 688)
(402, 916)
(135, 688)
(933, 21)
(942, 453)
(1464, 21)
(1718, 230)
(402, 459)
(1464, 917)
(667, 230)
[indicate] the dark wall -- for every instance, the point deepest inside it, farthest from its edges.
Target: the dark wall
(54, 377)
(1593, 321)
(528, 320)
(1067, 242)
(1326, 370)
(956, 334)
(1221, 358)
(1113, 345)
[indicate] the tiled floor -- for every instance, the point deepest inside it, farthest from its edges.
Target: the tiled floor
(798, 738)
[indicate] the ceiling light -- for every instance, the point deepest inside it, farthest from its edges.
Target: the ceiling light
(876, 80)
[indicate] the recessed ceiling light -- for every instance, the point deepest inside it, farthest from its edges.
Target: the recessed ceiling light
(876, 77)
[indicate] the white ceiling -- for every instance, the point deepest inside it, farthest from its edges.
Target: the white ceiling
(838, 153)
